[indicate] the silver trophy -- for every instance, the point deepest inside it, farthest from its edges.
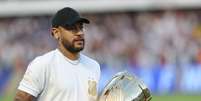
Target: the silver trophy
(125, 87)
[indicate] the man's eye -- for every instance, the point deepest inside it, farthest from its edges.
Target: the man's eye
(70, 27)
(81, 27)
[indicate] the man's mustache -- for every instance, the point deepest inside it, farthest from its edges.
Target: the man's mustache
(79, 39)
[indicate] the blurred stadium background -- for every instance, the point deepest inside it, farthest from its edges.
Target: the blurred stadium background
(157, 40)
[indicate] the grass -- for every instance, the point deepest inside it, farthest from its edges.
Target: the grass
(6, 98)
(177, 98)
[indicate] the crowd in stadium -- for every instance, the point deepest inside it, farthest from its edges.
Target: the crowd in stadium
(163, 47)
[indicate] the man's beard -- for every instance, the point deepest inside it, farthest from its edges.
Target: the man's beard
(70, 46)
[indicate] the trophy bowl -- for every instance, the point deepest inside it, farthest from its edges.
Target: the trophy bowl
(125, 87)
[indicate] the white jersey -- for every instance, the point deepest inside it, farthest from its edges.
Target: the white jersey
(53, 77)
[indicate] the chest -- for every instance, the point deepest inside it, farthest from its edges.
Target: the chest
(71, 79)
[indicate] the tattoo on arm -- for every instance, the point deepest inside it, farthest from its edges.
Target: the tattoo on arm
(23, 96)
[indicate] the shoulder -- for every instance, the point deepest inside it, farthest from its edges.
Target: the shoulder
(43, 60)
(89, 60)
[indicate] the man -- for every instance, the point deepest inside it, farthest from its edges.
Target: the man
(63, 74)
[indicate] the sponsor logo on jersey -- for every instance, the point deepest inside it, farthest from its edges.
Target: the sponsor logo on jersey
(92, 87)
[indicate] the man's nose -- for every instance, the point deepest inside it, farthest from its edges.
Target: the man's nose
(80, 33)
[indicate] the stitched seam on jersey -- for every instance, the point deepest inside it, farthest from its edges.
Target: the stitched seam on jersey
(31, 89)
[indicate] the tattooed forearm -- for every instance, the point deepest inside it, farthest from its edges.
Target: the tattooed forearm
(23, 96)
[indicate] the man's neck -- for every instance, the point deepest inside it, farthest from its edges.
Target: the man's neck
(68, 54)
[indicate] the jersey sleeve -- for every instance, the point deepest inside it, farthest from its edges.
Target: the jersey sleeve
(33, 79)
(98, 72)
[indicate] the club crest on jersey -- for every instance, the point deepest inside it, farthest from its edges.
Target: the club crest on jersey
(92, 87)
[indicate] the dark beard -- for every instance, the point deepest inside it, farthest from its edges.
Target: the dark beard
(70, 47)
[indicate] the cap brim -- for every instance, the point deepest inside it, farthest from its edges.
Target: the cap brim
(82, 20)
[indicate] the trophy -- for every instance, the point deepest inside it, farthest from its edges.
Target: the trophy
(125, 87)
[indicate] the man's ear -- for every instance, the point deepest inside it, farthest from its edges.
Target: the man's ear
(55, 33)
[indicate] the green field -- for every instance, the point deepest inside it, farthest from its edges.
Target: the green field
(154, 98)
(177, 98)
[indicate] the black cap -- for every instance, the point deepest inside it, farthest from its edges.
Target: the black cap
(67, 17)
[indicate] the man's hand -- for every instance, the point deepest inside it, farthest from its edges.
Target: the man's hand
(23, 96)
